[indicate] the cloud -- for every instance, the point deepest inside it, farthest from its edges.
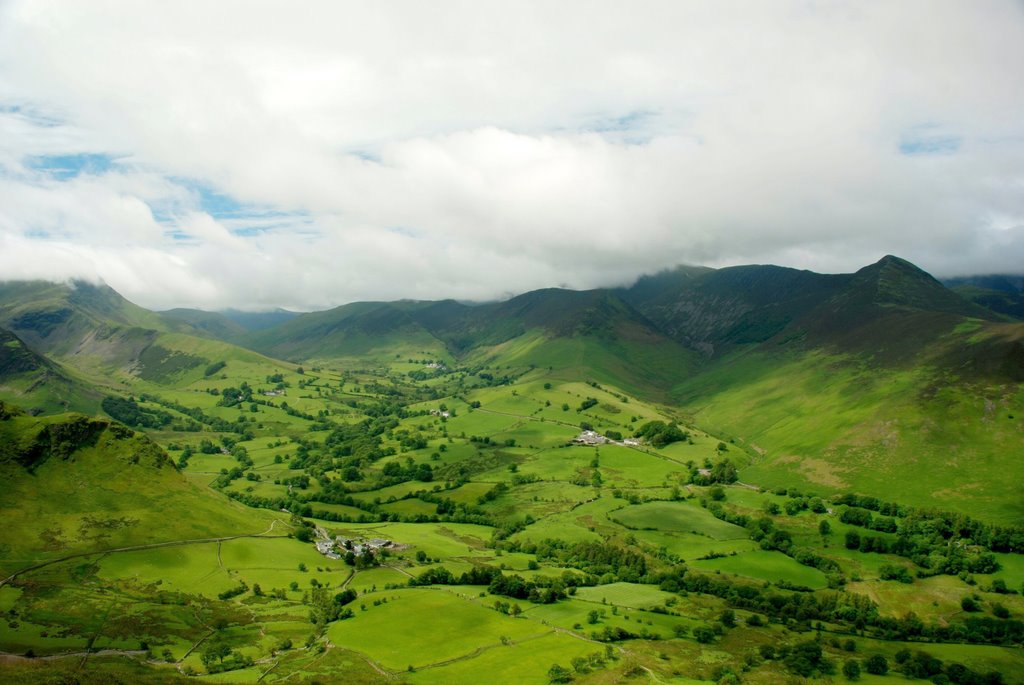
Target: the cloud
(241, 154)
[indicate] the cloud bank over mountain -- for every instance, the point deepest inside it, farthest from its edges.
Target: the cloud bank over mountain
(261, 154)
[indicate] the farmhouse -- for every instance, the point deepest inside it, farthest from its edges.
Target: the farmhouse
(590, 438)
(326, 547)
(357, 547)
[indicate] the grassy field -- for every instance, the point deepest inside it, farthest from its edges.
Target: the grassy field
(396, 636)
(677, 516)
(770, 566)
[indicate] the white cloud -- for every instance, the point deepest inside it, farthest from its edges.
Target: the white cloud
(478, 149)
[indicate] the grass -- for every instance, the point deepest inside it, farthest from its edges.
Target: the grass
(832, 423)
(766, 565)
(521, 661)
(406, 630)
(677, 516)
(632, 595)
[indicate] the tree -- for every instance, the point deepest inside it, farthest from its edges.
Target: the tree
(851, 669)
(728, 618)
(215, 649)
(825, 528)
(559, 674)
(876, 665)
(806, 658)
(703, 635)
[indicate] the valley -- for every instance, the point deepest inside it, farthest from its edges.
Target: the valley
(753, 474)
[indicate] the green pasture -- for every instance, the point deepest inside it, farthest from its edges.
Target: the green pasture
(406, 630)
(1011, 570)
(630, 467)
(481, 423)
(690, 546)
(575, 615)
(394, 492)
(540, 499)
(765, 565)
(193, 569)
(375, 579)
(410, 507)
(588, 521)
(677, 516)
(340, 509)
(632, 595)
(526, 660)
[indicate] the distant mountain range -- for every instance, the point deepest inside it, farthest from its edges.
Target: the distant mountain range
(891, 310)
(848, 380)
(1000, 293)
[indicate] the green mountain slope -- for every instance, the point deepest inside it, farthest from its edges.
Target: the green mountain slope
(357, 329)
(229, 325)
(837, 423)
(1002, 294)
(35, 382)
(714, 311)
(74, 484)
(209, 324)
(587, 334)
(105, 341)
(56, 317)
(720, 311)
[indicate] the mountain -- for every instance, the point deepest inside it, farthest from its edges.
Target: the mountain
(719, 311)
(712, 310)
(229, 325)
(591, 333)
(209, 324)
(109, 342)
(357, 329)
(60, 318)
(257, 321)
(1006, 283)
(885, 376)
(665, 328)
(39, 383)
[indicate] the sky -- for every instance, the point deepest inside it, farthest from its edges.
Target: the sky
(258, 155)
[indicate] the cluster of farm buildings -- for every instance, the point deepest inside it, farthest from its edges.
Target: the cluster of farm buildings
(590, 437)
(334, 549)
